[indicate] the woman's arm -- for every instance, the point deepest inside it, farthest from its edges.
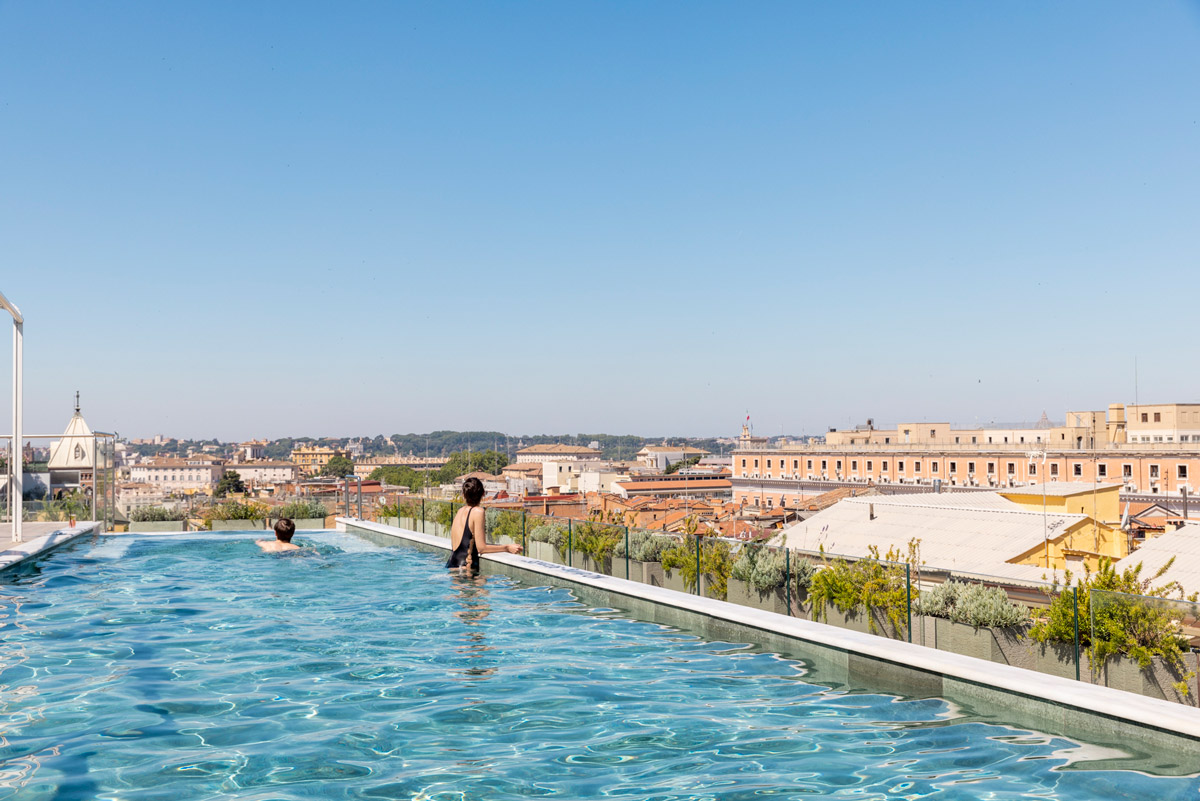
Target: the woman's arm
(478, 522)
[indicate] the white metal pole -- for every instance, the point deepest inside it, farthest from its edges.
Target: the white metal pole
(18, 487)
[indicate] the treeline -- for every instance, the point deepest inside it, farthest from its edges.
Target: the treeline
(458, 464)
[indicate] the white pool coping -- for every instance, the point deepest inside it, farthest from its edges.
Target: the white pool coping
(18, 552)
(1093, 699)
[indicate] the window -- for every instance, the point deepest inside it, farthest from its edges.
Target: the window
(1145, 417)
(1158, 417)
(883, 465)
(970, 467)
(1012, 468)
(854, 465)
(743, 463)
(1181, 472)
(1102, 470)
(932, 433)
(933, 467)
(887, 440)
(868, 465)
(768, 464)
(917, 466)
(1153, 471)
(824, 465)
(899, 467)
(1158, 439)
(953, 468)
(795, 464)
(1033, 468)
(1054, 469)
(974, 440)
(1127, 471)
(838, 465)
(1077, 469)
(991, 468)
(810, 464)
(956, 440)
(989, 440)
(755, 464)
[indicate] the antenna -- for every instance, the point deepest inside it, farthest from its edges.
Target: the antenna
(76, 401)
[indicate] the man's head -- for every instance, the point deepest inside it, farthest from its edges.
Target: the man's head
(284, 529)
(472, 491)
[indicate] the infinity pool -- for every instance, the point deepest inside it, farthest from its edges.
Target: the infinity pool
(188, 668)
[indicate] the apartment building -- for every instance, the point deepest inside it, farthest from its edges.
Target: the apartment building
(195, 473)
(660, 457)
(310, 459)
(261, 474)
(1128, 446)
(557, 453)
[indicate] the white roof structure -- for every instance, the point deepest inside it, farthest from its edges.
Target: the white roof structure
(1059, 489)
(976, 532)
(1183, 544)
(75, 450)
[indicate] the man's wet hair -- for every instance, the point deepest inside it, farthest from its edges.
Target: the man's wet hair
(284, 529)
(473, 491)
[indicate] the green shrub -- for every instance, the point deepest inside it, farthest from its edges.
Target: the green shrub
(647, 547)
(505, 523)
(716, 561)
(156, 514)
(971, 603)
(597, 540)
(1137, 620)
(304, 510)
(553, 533)
(236, 510)
(863, 585)
(400, 509)
(764, 569)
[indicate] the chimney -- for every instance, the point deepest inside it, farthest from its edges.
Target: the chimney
(870, 511)
(937, 486)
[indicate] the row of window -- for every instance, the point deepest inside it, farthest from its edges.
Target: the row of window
(1181, 470)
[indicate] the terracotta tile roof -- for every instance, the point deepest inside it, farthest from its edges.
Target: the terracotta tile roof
(553, 449)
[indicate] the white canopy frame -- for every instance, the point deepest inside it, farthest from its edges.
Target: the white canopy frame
(16, 482)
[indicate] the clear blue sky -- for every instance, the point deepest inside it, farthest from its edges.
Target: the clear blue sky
(239, 219)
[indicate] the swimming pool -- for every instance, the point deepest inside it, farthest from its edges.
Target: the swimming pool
(197, 667)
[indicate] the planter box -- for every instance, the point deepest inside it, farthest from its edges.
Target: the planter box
(159, 525)
(239, 525)
(1156, 681)
(673, 580)
(860, 620)
(740, 592)
(650, 573)
(309, 523)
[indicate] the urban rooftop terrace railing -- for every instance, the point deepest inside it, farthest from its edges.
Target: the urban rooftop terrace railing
(97, 497)
(1069, 630)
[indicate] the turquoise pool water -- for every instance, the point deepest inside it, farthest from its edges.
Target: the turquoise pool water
(191, 668)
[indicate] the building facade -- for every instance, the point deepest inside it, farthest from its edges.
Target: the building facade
(310, 459)
(556, 453)
(195, 473)
(260, 474)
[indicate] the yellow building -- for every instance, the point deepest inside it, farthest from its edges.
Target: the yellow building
(1097, 533)
(310, 459)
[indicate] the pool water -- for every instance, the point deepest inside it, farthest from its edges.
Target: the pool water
(197, 667)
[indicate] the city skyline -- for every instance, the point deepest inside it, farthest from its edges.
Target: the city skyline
(220, 222)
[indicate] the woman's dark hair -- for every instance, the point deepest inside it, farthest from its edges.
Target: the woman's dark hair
(472, 491)
(284, 529)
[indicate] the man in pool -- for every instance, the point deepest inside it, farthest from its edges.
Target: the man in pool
(284, 529)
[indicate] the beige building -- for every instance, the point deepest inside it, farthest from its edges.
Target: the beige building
(365, 467)
(195, 473)
(660, 457)
(1091, 447)
(310, 459)
(557, 453)
(262, 474)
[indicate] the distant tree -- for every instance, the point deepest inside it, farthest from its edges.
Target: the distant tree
(338, 466)
(675, 467)
(462, 462)
(229, 482)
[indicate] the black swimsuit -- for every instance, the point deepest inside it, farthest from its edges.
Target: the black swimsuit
(466, 545)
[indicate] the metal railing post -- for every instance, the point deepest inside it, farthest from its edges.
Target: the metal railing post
(626, 552)
(908, 594)
(696, 537)
(1075, 600)
(95, 470)
(359, 496)
(570, 545)
(422, 515)
(524, 549)
(787, 576)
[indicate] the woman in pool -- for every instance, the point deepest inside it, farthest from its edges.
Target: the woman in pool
(467, 538)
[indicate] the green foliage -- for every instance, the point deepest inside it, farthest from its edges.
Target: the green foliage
(675, 467)
(303, 510)
(863, 585)
(464, 462)
(156, 514)
(716, 562)
(230, 481)
(410, 510)
(401, 475)
(764, 569)
(442, 512)
(236, 510)
(338, 467)
(647, 547)
(597, 540)
(505, 523)
(543, 529)
(60, 509)
(1133, 617)
(971, 603)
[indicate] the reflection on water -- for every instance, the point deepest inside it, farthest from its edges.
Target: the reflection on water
(470, 596)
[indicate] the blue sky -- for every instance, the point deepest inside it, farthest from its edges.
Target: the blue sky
(269, 219)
